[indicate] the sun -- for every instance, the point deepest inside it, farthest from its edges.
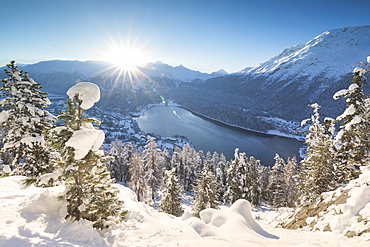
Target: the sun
(125, 58)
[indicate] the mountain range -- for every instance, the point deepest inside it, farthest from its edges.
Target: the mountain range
(258, 98)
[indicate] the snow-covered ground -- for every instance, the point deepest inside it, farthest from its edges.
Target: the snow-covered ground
(34, 217)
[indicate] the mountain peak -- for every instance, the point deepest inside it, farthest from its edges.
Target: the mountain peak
(332, 54)
(220, 72)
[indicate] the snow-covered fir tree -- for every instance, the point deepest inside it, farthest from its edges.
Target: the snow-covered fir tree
(263, 177)
(167, 160)
(353, 138)
(170, 194)
(277, 183)
(233, 192)
(153, 163)
(137, 172)
(89, 192)
(206, 192)
(25, 122)
(221, 174)
(243, 180)
(256, 187)
(190, 161)
(122, 157)
(291, 180)
(317, 169)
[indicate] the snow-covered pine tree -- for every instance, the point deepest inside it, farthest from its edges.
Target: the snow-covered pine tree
(89, 192)
(263, 177)
(167, 160)
(256, 189)
(122, 156)
(233, 192)
(176, 160)
(353, 138)
(189, 162)
(25, 121)
(137, 173)
(206, 192)
(222, 166)
(170, 194)
(291, 180)
(153, 163)
(317, 169)
(277, 184)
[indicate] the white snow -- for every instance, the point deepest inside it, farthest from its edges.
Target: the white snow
(85, 140)
(368, 59)
(352, 215)
(6, 169)
(359, 70)
(88, 92)
(4, 115)
(350, 110)
(34, 217)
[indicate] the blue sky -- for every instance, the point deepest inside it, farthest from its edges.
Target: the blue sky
(201, 35)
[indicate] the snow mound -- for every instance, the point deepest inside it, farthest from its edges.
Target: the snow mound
(238, 216)
(88, 92)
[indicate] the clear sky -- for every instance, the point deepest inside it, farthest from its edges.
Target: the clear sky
(199, 34)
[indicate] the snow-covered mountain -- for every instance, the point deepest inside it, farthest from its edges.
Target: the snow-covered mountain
(91, 69)
(331, 54)
(179, 73)
(57, 76)
(283, 86)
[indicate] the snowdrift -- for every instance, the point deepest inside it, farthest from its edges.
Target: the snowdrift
(34, 217)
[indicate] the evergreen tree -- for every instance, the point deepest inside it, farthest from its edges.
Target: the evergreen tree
(353, 138)
(277, 184)
(264, 174)
(89, 192)
(170, 194)
(317, 170)
(291, 176)
(206, 192)
(153, 163)
(189, 161)
(221, 174)
(256, 187)
(167, 160)
(233, 192)
(122, 157)
(243, 180)
(137, 172)
(25, 121)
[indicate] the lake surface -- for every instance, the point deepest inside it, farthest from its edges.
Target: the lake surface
(207, 135)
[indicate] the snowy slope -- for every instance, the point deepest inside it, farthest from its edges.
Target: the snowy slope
(331, 54)
(34, 217)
